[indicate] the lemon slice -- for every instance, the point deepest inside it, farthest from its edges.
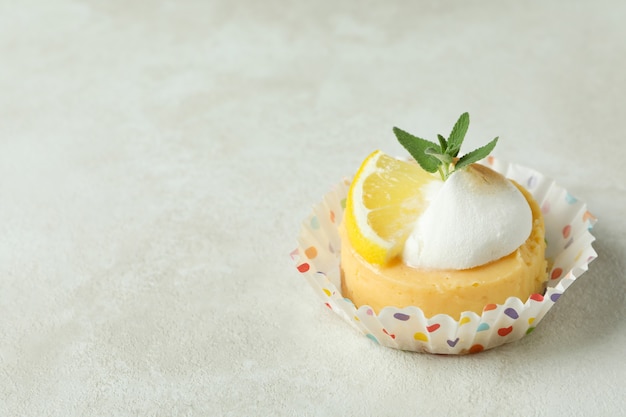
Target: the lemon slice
(385, 199)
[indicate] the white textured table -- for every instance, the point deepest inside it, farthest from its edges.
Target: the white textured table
(156, 160)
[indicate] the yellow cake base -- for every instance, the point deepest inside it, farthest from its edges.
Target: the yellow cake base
(519, 274)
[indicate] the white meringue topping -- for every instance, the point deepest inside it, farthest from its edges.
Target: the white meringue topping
(477, 216)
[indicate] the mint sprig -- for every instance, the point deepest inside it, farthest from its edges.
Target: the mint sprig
(443, 157)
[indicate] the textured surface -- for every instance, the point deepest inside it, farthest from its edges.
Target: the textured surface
(156, 160)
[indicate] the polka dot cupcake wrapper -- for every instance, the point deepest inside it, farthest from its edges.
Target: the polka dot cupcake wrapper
(569, 252)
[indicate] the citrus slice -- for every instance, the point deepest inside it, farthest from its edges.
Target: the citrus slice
(385, 199)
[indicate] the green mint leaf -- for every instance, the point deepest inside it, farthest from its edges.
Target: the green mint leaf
(443, 143)
(417, 148)
(458, 134)
(444, 158)
(476, 155)
(453, 151)
(432, 157)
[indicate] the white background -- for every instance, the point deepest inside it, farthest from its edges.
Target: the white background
(157, 158)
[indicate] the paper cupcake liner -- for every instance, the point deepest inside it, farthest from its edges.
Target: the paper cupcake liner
(569, 252)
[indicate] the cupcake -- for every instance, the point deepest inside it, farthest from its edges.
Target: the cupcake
(441, 254)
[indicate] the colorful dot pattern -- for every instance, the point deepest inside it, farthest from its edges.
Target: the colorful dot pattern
(569, 251)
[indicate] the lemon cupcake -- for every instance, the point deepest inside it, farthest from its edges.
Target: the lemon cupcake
(441, 254)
